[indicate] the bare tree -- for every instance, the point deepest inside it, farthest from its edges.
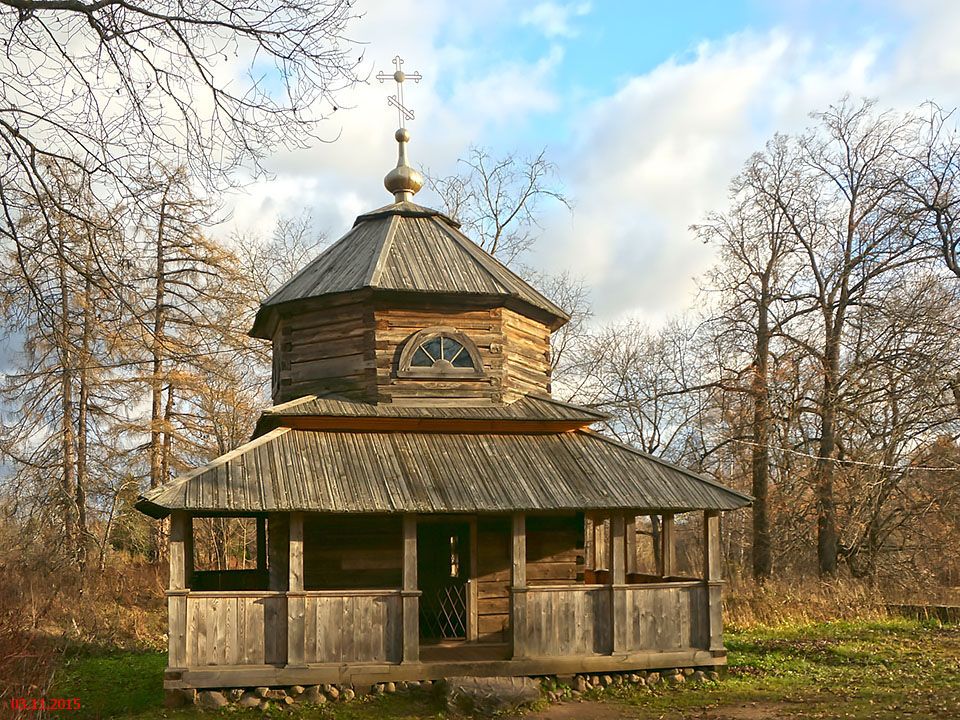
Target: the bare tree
(498, 199)
(932, 183)
(271, 261)
(849, 217)
(753, 281)
(110, 87)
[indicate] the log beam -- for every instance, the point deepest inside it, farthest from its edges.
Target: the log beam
(410, 594)
(518, 584)
(181, 570)
(296, 602)
(668, 546)
(712, 579)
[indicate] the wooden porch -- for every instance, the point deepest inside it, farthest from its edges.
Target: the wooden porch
(288, 634)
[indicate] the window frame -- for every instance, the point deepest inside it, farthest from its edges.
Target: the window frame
(405, 369)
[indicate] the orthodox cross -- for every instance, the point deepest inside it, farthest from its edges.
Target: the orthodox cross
(403, 112)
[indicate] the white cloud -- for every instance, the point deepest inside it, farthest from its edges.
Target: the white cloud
(646, 161)
(658, 154)
(555, 19)
(338, 180)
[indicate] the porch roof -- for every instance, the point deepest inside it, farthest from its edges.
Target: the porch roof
(430, 472)
(530, 410)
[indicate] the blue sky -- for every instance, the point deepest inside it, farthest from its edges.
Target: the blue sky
(648, 109)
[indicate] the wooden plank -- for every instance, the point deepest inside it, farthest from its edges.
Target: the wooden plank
(711, 573)
(631, 543)
(296, 602)
(518, 584)
(411, 600)
(180, 550)
(618, 579)
(668, 552)
(177, 631)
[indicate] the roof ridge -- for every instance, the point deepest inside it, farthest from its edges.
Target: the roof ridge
(288, 404)
(484, 259)
(552, 400)
(375, 272)
(666, 463)
(216, 462)
(266, 301)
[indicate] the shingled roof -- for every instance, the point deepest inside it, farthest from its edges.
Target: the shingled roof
(292, 470)
(409, 248)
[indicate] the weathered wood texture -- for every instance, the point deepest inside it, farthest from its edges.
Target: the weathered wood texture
(663, 618)
(555, 554)
(410, 596)
(325, 351)
(353, 350)
(369, 673)
(180, 554)
(364, 551)
(493, 578)
(518, 585)
(236, 629)
(526, 354)
(395, 326)
(712, 580)
(568, 621)
(354, 626)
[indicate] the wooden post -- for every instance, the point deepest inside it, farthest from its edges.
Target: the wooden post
(473, 630)
(711, 577)
(181, 569)
(410, 595)
(296, 601)
(589, 543)
(631, 543)
(261, 543)
(518, 585)
(618, 581)
(278, 551)
(668, 546)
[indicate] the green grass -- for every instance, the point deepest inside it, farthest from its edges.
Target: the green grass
(877, 670)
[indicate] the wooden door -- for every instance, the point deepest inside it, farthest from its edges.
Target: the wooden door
(443, 569)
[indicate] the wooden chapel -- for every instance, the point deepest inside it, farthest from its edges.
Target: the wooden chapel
(422, 507)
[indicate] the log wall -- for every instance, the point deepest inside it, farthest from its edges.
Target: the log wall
(493, 579)
(352, 551)
(396, 325)
(555, 554)
(526, 353)
(325, 351)
(353, 350)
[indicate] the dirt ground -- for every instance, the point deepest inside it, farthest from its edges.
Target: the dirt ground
(617, 711)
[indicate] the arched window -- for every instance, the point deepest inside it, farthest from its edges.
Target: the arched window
(440, 351)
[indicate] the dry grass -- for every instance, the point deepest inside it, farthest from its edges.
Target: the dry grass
(800, 601)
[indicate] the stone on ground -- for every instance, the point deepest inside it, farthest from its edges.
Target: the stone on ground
(211, 700)
(489, 696)
(248, 700)
(313, 696)
(179, 698)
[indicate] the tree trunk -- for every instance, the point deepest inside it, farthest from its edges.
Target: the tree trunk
(156, 376)
(83, 412)
(760, 455)
(823, 472)
(68, 482)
